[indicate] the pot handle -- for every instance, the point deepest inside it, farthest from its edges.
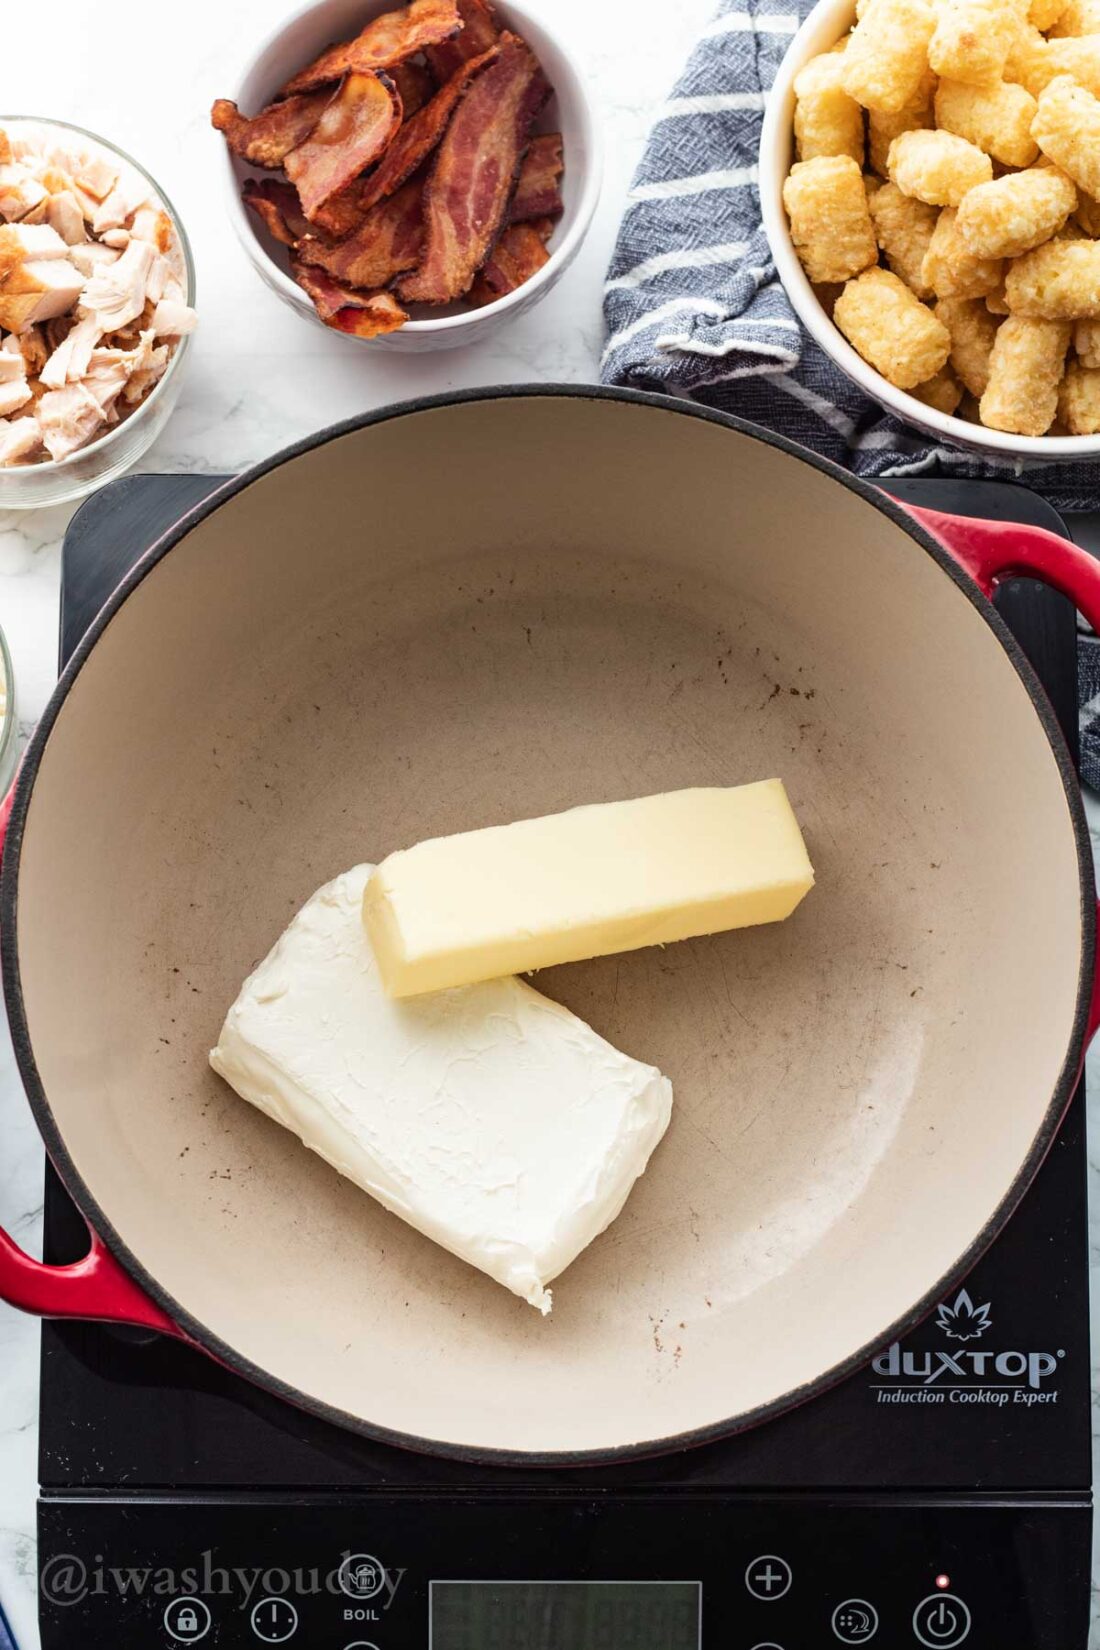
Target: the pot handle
(991, 551)
(96, 1287)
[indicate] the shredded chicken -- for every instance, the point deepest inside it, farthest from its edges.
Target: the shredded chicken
(95, 173)
(19, 439)
(92, 255)
(71, 358)
(92, 299)
(152, 224)
(12, 365)
(13, 395)
(38, 289)
(143, 380)
(20, 192)
(20, 241)
(109, 371)
(172, 318)
(32, 347)
(68, 419)
(126, 199)
(63, 214)
(116, 294)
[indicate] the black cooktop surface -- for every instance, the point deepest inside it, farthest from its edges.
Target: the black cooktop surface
(986, 1406)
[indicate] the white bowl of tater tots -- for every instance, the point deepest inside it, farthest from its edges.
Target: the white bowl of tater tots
(930, 186)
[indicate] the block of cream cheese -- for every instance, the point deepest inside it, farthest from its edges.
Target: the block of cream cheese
(490, 1118)
(610, 877)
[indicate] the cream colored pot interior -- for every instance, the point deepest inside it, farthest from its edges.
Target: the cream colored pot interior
(502, 608)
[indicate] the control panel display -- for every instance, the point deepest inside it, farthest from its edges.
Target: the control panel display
(597, 1615)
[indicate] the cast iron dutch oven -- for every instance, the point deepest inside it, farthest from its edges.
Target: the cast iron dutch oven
(503, 604)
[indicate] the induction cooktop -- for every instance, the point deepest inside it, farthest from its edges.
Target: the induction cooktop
(940, 1497)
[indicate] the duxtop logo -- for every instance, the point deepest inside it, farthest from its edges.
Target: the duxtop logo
(964, 1321)
(958, 1375)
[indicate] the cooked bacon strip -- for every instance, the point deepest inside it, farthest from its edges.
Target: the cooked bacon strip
(415, 83)
(538, 192)
(480, 30)
(474, 172)
(420, 135)
(277, 205)
(387, 242)
(354, 131)
(519, 254)
(370, 320)
(385, 41)
(364, 314)
(268, 137)
(341, 216)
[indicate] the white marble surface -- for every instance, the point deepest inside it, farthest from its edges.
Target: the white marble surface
(259, 379)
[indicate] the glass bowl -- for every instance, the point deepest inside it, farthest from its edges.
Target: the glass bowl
(30, 486)
(9, 721)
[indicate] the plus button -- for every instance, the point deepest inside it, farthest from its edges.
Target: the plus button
(768, 1578)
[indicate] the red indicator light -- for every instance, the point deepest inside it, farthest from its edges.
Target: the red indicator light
(943, 1583)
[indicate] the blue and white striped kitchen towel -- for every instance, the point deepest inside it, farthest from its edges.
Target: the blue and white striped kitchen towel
(694, 306)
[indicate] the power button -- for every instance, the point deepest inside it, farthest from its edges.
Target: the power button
(941, 1621)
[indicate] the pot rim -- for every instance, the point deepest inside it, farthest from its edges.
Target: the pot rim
(204, 1338)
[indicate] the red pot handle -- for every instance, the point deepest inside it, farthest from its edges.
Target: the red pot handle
(991, 551)
(96, 1287)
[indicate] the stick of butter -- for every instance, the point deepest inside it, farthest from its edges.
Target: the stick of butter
(491, 1119)
(611, 877)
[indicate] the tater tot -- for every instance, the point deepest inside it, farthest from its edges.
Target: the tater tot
(1079, 17)
(903, 228)
(887, 55)
(1087, 215)
(1086, 341)
(1067, 129)
(994, 118)
(971, 41)
(1026, 50)
(944, 392)
(830, 219)
(1045, 13)
(995, 301)
(972, 330)
(1079, 57)
(826, 120)
(882, 129)
(890, 327)
(937, 167)
(951, 269)
(1025, 371)
(1079, 399)
(1057, 282)
(1017, 212)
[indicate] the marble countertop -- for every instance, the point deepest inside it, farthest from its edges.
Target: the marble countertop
(259, 379)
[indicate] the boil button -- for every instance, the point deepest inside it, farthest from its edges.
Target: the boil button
(942, 1621)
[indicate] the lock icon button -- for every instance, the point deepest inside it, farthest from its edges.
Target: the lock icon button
(187, 1620)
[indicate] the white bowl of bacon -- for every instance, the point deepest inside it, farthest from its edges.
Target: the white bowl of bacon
(413, 175)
